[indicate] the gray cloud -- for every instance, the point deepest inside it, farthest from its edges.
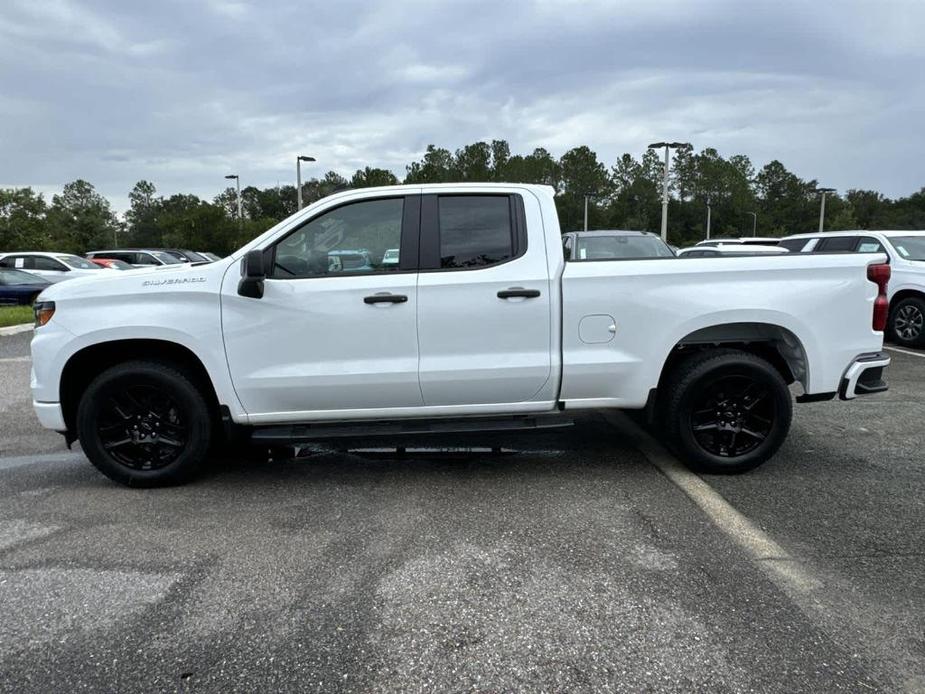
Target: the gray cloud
(182, 93)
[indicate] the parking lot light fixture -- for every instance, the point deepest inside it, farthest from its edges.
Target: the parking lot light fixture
(823, 191)
(667, 146)
(298, 177)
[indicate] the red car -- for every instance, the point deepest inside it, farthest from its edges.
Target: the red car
(111, 263)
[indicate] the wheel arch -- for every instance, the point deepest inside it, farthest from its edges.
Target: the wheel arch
(775, 343)
(87, 363)
(906, 294)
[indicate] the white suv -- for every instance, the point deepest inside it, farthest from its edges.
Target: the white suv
(53, 267)
(906, 291)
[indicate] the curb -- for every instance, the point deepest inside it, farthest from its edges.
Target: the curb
(16, 329)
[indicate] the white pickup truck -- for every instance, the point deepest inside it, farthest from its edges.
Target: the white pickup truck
(479, 324)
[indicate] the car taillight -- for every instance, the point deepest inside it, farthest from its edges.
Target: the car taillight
(880, 275)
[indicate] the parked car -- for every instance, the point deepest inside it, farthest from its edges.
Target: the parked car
(730, 250)
(490, 328)
(19, 288)
(53, 267)
(613, 244)
(906, 251)
(745, 241)
(211, 256)
(138, 257)
(185, 256)
(112, 263)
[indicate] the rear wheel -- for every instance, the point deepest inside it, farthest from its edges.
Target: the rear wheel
(907, 322)
(727, 411)
(144, 424)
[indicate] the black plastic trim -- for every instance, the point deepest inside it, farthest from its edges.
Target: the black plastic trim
(816, 397)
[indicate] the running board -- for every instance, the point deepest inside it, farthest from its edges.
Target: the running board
(303, 433)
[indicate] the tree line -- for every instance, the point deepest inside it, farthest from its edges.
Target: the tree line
(625, 195)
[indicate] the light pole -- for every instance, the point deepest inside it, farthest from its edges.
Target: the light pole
(709, 210)
(754, 222)
(587, 197)
(298, 177)
(238, 181)
(822, 207)
(668, 146)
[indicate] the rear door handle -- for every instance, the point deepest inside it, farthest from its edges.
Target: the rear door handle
(385, 298)
(518, 292)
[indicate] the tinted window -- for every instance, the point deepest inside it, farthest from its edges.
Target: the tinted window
(793, 245)
(837, 244)
(475, 230)
(9, 261)
(39, 262)
(359, 237)
(165, 258)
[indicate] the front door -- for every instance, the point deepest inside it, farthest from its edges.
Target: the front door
(484, 305)
(335, 331)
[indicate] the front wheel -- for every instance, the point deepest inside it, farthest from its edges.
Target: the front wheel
(907, 322)
(728, 411)
(144, 424)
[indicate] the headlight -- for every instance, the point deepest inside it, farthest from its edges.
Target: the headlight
(43, 310)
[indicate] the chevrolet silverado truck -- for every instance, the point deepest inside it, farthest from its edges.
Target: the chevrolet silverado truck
(478, 325)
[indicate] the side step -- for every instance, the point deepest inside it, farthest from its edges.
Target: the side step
(398, 429)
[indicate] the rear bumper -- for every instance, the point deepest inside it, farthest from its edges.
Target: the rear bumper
(50, 415)
(864, 376)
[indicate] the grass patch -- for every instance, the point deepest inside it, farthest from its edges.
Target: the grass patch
(14, 315)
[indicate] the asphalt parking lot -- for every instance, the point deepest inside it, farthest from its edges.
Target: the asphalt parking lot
(584, 560)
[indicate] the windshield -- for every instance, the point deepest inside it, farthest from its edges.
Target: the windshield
(610, 247)
(76, 261)
(166, 258)
(9, 277)
(909, 247)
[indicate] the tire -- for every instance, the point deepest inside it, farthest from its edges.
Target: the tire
(712, 416)
(122, 418)
(907, 322)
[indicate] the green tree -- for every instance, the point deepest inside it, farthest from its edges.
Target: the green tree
(368, 177)
(22, 220)
(81, 219)
(141, 217)
(581, 173)
(437, 166)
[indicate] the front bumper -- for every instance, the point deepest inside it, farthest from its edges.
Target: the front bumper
(864, 376)
(50, 415)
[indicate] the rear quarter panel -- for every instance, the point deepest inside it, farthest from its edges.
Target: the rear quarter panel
(825, 301)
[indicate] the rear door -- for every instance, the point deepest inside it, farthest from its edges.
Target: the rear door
(484, 321)
(47, 268)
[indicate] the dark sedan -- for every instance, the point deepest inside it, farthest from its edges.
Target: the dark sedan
(19, 288)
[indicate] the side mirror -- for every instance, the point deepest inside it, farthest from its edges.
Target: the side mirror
(253, 274)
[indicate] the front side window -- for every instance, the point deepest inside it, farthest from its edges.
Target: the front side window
(475, 230)
(77, 262)
(360, 237)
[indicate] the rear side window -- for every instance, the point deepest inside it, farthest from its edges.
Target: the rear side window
(837, 244)
(794, 245)
(866, 244)
(475, 230)
(42, 263)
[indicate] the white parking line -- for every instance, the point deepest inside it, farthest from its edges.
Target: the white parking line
(20, 460)
(774, 559)
(6, 360)
(905, 351)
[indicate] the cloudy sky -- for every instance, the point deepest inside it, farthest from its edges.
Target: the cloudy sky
(182, 92)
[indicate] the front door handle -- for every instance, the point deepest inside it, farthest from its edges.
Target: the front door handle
(385, 298)
(518, 292)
